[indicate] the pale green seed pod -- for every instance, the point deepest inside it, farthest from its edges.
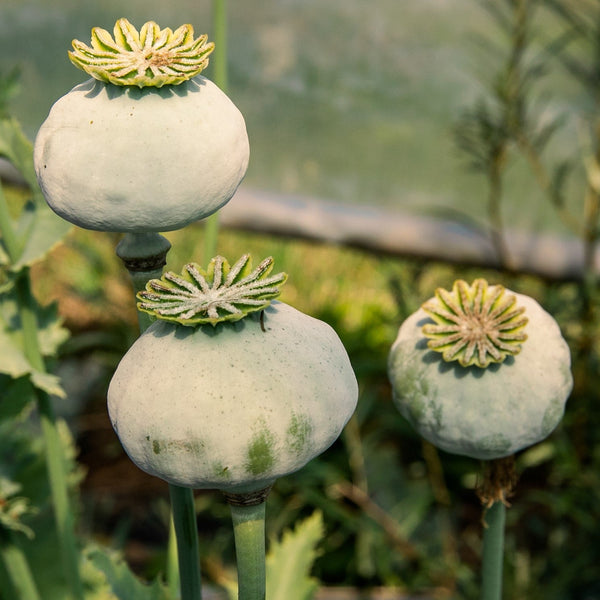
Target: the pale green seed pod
(148, 144)
(486, 412)
(232, 406)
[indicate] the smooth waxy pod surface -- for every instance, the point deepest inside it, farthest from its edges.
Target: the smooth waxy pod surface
(489, 412)
(135, 149)
(232, 406)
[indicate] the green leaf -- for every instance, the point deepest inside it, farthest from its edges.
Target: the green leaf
(16, 395)
(51, 334)
(12, 359)
(48, 383)
(40, 228)
(119, 580)
(14, 507)
(9, 87)
(45, 231)
(23, 461)
(14, 363)
(290, 560)
(15, 147)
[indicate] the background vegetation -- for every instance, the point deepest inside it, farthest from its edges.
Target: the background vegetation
(396, 511)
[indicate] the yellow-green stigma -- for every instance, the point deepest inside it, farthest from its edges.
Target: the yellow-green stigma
(151, 57)
(475, 324)
(219, 293)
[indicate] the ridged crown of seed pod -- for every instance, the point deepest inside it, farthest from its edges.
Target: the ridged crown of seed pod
(147, 144)
(481, 371)
(228, 390)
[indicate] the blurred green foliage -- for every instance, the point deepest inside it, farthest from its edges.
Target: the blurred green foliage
(396, 512)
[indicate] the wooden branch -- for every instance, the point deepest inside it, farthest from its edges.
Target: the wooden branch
(399, 233)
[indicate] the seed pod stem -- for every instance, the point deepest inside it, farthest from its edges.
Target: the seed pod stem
(144, 256)
(184, 519)
(493, 551)
(497, 485)
(249, 533)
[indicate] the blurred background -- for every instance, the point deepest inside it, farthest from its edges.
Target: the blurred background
(344, 101)
(480, 117)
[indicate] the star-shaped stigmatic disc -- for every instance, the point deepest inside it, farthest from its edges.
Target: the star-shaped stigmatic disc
(152, 57)
(475, 324)
(219, 293)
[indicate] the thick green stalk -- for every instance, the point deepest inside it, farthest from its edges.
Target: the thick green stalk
(172, 569)
(249, 533)
(211, 235)
(184, 519)
(219, 62)
(18, 569)
(55, 460)
(144, 255)
(493, 552)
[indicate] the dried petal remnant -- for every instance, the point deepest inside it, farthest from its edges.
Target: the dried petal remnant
(475, 325)
(221, 293)
(152, 57)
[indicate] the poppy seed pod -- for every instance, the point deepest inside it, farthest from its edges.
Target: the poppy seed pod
(481, 371)
(232, 407)
(216, 398)
(148, 144)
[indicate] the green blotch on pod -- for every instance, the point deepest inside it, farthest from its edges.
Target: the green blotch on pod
(495, 443)
(299, 433)
(260, 455)
(221, 472)
(195, 447)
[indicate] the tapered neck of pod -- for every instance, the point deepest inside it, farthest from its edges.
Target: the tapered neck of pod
(247, 498)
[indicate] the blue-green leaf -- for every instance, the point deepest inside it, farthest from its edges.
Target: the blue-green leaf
(51, 334)
(40, 229)
(119, 580)
(16, 148)
(45, 230)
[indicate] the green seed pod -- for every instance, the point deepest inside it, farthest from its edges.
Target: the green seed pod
(215, 402)
(481, 371)
(148, 144)
(232, 407)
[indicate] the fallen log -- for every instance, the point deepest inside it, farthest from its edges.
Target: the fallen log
(400, 233)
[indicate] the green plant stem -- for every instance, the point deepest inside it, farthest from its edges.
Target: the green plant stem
(144, 255)
(495, 193)
(18, 569)
(184, 519)
(493, 552)
(55, 460)
(211, 236)
(219, 62)
(172, 570)
(219, 59)
(249, 533)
